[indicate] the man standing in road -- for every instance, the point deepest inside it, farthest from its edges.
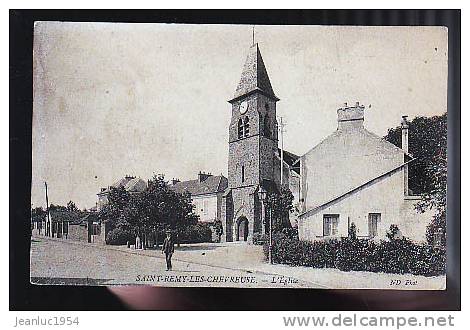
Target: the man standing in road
(168, 248)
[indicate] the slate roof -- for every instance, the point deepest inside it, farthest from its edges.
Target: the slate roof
(136, 184)
(290, 159)
(212, 184)
(122, 182)
(254, 76)
(129, 183)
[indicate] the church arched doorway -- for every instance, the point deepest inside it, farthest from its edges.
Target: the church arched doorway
(242, 229)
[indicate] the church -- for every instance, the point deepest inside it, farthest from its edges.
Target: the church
(352, 176)
(254, 159)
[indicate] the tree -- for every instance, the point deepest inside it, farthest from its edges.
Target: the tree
(280, 204)
(154, 210)
(134, 216)
(59, 208)
(118, 199)
(428, 173)
(218, 229)
(167, 208)
(145, 213)
(352, 231)
(71, 207)
(427, 140)
(436, 198)
(394, 233)
(38, 214)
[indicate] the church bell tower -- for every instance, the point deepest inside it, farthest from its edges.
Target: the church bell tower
(253, 141)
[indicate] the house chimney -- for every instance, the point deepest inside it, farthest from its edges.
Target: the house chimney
(404, 133)
(351, 117)
(404, 145)
(203, 176)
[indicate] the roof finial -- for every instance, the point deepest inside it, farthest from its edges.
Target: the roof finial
(253, 35)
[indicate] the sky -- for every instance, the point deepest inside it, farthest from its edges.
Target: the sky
(115, 99)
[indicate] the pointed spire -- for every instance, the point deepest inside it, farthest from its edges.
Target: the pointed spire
(254, 76)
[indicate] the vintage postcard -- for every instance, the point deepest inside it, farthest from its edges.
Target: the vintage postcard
(239, 156)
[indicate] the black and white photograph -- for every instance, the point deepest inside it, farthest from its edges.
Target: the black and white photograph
(239, 155)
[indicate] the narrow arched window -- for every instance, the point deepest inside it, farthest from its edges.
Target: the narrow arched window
(240, 128)
(246, 127)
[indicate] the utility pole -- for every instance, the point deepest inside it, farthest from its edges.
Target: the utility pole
(281, 132)
(48, 229)
(270, 255)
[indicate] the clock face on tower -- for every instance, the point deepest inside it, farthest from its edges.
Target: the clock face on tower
(243, 107)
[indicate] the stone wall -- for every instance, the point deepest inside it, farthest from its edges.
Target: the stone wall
(251, 113)
(256, 154)
(78, 232)
(243, 153)
(227, 218)
(245, 205)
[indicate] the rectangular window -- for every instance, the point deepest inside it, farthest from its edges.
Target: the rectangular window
(330, 224)
(206, 207)
(374, 219)
(243, 173)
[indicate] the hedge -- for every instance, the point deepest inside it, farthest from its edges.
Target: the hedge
(198, 233)
(119, 236)
(351, 254)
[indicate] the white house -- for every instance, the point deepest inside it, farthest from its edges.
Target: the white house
(206, 194)
(355, 176)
